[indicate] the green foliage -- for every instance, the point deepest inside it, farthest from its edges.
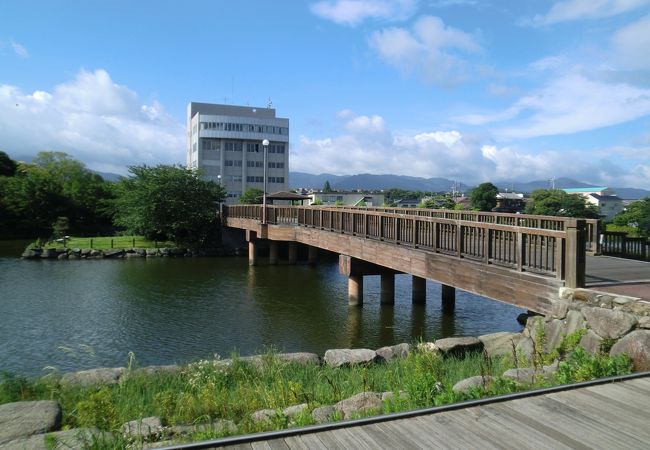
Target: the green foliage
(169, 203)
(317, 202)
(338, 203)
(327, 187)
(438, 201)
(7, 165)
(556, 202)
(54, 185)
(582, 366)
(252, 196)
(484, 197)
(207, 390)
(60, 227)
(637, 215)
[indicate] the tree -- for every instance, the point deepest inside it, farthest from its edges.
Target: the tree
(53, 185)
(438, 201)
(169, 203)
(636, 214)
(484, 197)
(327, 187)
(7, 165)
(252, 196)
(556, 202)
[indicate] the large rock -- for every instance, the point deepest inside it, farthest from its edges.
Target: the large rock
(347, 357)
(526, 348)
(529, 375)
(360, 403)
(479, 381)
(554, 331)
(103, 375)
(144, 428)
(295, 410)
(394, 351)
(607, 323)
(574, 322)
(60, 440)
(501, 343)
(263, 415)
(533, 325)
(157, 370)
(637, 346)
(32, 253)
(23, 419)
(323, 414)
(303, 358)
(114, 253)
(221, 426)
(459, 346)
(591, 342)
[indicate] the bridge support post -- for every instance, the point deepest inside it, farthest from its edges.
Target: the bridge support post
(419, 290)
(574, 267)
(387, 293)
(312, 256)
(252, 251)
(293, 252)
(448, 298)
(355, 290)
(273, 252)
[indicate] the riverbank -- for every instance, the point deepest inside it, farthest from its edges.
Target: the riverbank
(220, 397)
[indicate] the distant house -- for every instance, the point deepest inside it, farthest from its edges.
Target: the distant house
(510, 202)
(346, 198)
(604, 198)
(407, 203)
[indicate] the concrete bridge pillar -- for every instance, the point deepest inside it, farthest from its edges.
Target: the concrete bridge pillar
(387, 295)
(273, 252)
(448, 298)
(312, 257)
(252, 248)
(419, 290)
(293, 252)
(355, 290)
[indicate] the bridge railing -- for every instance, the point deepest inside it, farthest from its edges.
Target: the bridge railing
(592, 241)
(552, 252)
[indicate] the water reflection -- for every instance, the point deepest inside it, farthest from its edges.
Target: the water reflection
(177, 310)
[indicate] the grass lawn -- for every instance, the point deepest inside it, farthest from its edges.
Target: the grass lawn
(106, 242)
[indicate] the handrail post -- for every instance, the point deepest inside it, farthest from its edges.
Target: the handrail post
(575, 254)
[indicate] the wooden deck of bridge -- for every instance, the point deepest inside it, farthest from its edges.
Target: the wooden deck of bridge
(605, 416)
(619, 276)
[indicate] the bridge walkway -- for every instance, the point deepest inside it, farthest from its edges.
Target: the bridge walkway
(602, 416)
(618, 276)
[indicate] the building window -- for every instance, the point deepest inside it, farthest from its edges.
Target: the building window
(254, 164)
(250, 147)
(276, 165)
(231, 146)
(231, 163)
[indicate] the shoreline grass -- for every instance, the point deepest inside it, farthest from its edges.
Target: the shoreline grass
(206, 391)
(105, 243)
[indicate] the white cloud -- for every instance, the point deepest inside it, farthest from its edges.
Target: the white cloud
(569, 10)
(353, 12)
(568, 104)
(93, 119)
(452, 154)
(19, 50)
(632, 44)
(430, 49)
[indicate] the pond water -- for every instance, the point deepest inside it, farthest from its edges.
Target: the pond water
(73, 315)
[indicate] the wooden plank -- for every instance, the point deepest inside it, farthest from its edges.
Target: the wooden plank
(308, 440)
(571, 425)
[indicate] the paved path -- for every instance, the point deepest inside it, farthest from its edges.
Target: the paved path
(607, 416)
(619, 276)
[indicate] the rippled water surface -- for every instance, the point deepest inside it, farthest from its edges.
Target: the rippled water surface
(80, 314)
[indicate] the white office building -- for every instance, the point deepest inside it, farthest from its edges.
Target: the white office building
(225, 142)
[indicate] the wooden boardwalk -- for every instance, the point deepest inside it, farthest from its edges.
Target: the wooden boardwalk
(606, 416)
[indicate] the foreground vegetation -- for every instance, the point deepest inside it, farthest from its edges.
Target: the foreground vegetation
(207, 390)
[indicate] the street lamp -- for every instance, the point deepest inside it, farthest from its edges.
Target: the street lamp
(265, 144)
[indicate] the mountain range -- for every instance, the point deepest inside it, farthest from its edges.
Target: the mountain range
(375, 182)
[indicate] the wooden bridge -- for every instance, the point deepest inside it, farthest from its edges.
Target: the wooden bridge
(517, 259)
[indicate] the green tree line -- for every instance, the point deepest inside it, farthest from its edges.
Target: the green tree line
(55, 194)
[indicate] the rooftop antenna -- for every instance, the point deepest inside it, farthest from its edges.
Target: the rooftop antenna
(552, 181)
(269, 104)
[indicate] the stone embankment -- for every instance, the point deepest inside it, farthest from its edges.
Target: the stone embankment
(121, 253)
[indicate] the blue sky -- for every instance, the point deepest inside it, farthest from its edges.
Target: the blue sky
(464, 89)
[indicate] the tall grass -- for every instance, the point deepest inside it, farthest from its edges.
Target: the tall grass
(208, 390)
